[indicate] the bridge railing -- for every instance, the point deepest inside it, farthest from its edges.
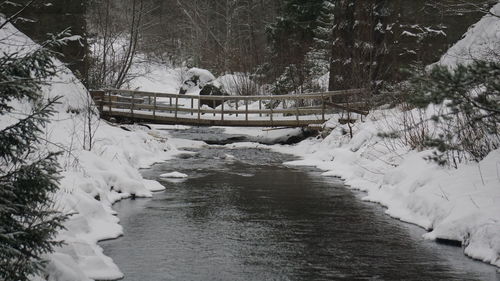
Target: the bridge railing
(134, 104)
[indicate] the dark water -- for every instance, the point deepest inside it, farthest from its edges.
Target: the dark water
(254, 219)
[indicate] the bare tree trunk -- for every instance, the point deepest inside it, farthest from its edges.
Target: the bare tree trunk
(132, 44)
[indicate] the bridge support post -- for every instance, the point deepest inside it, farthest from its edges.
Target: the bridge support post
(176, 106)
(271, 108)
(109, 103)
(199, 111)
(297, 112)
(154, 106)
(222, 110)
(323, 108)
(246, 110)
(132, 107)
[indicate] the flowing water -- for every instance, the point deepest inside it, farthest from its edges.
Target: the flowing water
(242, 215)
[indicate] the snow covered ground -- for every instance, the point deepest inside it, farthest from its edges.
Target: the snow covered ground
(458, 204)
(482, 41)
(91, 180)
(453, 204)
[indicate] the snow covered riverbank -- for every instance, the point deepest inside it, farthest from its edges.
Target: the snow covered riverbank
(95, 173)
(453, 204)
(460, 204)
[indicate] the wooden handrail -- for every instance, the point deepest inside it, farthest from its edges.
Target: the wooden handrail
(140, 104)
(317, 95)
(302, 110)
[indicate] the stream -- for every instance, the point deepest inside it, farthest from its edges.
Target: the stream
(242, 215)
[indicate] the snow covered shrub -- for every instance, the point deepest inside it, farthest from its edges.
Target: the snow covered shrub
(288, 82)
(239, 84)
(28, 174)
(469, 117)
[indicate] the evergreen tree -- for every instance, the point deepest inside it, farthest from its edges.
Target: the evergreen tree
(359, 44)
(319, 55)
(342, 45)
(470, 121)
(368, 42)
(290, 38)
(28, 175)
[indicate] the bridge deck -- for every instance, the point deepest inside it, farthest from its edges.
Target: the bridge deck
(242, 111)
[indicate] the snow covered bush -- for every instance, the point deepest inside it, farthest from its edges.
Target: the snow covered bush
(238, 84)
(468, 116)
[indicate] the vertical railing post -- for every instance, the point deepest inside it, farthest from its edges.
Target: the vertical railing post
(101, 101)
(132, 107)
(322, 108)
(170, 99)
(271, 104)
(176, 105)
(192, 106)
(297, 111)
(154, 106)
(199, 111)
(260, 107)
(109, 102)
(246, 110)
(237, 105)
(222, 110)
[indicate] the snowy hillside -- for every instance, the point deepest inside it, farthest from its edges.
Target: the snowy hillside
(482, 41)
(92, 180)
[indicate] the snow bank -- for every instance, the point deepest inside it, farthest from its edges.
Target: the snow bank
(265, 135)
(482, 41)
(453, 204)
(92, 180)
(156, 77)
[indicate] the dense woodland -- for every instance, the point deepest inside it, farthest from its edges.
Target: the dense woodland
(285, 43)
(282, 43)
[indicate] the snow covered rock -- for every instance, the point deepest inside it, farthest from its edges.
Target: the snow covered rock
(196, 78)
(212, 89)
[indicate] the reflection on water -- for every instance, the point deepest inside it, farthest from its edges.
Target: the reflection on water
(249, 218)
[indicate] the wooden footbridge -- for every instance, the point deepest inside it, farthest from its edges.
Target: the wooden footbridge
(242, 111)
